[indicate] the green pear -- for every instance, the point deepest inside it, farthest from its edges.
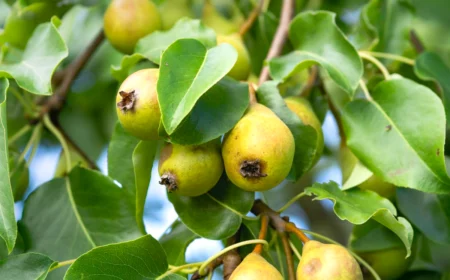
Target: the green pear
(327, 261)
(258, 152)
(255, 267)
(389, 263)
(137, 104)
(173, 10)
(127, 21)
(190, 170)
(241, 68)
(213, 19)
(302, 108)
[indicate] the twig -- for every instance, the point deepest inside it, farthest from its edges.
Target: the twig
(288, 252)
(57, 133)
(391, 56)
(365, 90)
(251, 19)
(312, 81)
(252, 94)
(290, 202)
(262, 233)
(56, 101)
(377, 63)
(280, 37)
(61, 264)
(416, 42)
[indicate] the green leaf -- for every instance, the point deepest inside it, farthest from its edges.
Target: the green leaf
(187, 71)
(130, 162)
(373, 236)
(143, 258)
(214, 114)
(317, 40)
(358, 206)
(8, 226)
(305, 136)
(44, 51)
(366, 34)
(432, 218)
(400, 135)
(216, 214)
(29, 266)
(81, 212)
(353, 171)
(175, 242)
(429, 66)
(154, 44)
(121, 72)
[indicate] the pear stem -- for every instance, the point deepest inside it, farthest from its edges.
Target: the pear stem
(288, 252)
(280, 37)
(252, 94)
(312, 81)
(251, 19)
(262, 233)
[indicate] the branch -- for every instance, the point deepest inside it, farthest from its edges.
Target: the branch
(280, 37)
(251, 19)
(262, 233)
(416, 42)
(288, 252)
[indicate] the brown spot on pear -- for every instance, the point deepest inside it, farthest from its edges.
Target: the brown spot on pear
(255, 267)
(258, 152)
(137, 104)
(241, 68)
(127, 21)
(190, 170)
(327, 261)
(302, 108)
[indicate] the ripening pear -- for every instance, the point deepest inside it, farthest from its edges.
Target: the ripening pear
(389, 264)
(302, 108)
(190, 170)
(241, 68)
(255, 267)
(327, 261)
(127, 21)
(258, 152)
(213, 19)
(137, 104)
(173, 10)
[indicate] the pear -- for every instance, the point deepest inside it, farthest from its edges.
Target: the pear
(137, 104)
(389, 263)
(258, 152)
(190, 170)
(213, 19)
(327, 261)
(302, 108)
(255, 267)
(173, 10)
(127, 21)
(241, 68)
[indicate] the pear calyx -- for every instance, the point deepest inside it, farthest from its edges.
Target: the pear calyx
(252, 169)
(127, 102)
(169, 180)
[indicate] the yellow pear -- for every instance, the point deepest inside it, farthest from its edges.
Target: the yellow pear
(327, 261)
(255, 267)
(190, 170)
(258, 152)
(302, 108)
(137, 104)
(241, 68)
(173, 10)
(127, 21)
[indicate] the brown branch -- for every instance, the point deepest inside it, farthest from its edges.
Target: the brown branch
(280, 37)
(416, 42)
(245, 27)
(288, 252)
(55, 103)
(276, 221)
(262, 233)
(313, 80)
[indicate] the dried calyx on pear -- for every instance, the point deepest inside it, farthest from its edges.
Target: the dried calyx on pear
(258, 152)
(190, 170)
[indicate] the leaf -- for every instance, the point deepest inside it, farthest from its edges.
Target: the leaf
(44, 51)
(317, 40)
(121, 72)
(366, 34)
(373, 236)
(429, 66)
(353, 171)
(358, 206)
(214, 114)
(130, 162)
(305, 136)
(175, 242)
(143, 258)
(216, 214)
(81, 212)
(28, 266)
(400, 135)
(8, 226)
(187, 71)
(432, 218)
(153, 45)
